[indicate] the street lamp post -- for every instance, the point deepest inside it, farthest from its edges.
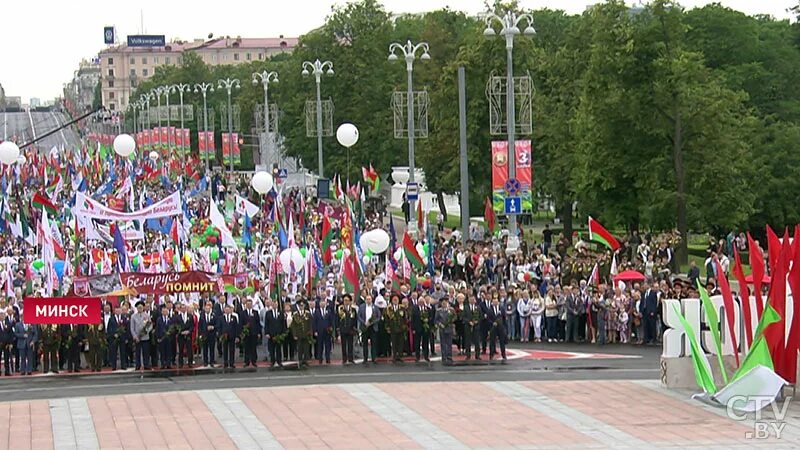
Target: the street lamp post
(228, 84)
(146, 99)
(204, 88)
(318, 68)
(181, 88)
(409, 53)
(510, 28)
(169, 119)
(265, 78)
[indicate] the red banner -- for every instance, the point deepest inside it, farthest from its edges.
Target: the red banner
(210, 141)
(187, 140)
(62, 310)
(164, 137)
(201, 142)
(524, 162)
(499, 164)
(156, 135)
(178, 138)
(169, 283)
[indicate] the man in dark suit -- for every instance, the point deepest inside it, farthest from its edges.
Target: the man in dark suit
(368, 317)
(229, 336)
(274, 331)
(497, 321)
(313, 310)
(185, 323)
(72, 339)
(648, 307)
(6, 336)
(322, 325)
(207, 329)
(471, 317)
(485, 325)
(348, 322)
(422, 317)
(252, 322)
(27, 336)
(117, 334)
(163, 337)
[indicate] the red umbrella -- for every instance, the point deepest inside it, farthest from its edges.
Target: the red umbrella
(749, 279)
(629, 275)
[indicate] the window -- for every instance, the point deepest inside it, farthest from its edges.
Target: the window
(247, 56)
(133, 60)
(144, 60)
(133, 73)
(111, 95)
(235, 56)
(111, 83)
(110, 61)
(144, 72)
(155, 59)
(111, 73)
(112, 106)
(260, 56)
(166, 60)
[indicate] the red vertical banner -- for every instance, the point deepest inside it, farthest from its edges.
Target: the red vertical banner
(226, 152)
(237, 155)
(499, 174)
(164, 137)
(210, 146)
(201, 144)
(172, 138)
(178, 141)
(156, 135)
(187, 141)
(524, 162)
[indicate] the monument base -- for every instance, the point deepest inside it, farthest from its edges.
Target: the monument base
(678, 372)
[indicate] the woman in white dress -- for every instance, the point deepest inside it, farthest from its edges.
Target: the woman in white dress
(537, 310)
(524, 311)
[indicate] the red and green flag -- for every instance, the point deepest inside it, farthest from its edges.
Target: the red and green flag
(713, 325)
(411, 253)
(488, 215)
(327, 238)
(371, 176)
(350, 275)
(40, 201)
(702, 369)
(598, 233)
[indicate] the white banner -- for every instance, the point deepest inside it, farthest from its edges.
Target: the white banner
(89, 208)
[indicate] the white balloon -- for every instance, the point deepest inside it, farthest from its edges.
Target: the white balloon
(9, 152)
(289, 256)
(22, 160)
(154, 155)
(420, 249)
(124, 145)
(376, 241)
(520, 277)
(347, 134)
(366, 259)
(262, 182)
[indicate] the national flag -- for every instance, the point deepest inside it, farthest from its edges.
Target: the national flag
(411, 253)
(793, 340)
(420, 217)
(776, 334)
(702, 368)
(119, 246)
(371, 177)
(245, 206)
(594, 277)
(247, 237)
(712, 318)
(489, 216)
(350, 274)
(727, 298)
(744, 296)
(40, 201)
(757, 271)
(327, 238)
(598, 233)
(773, 249)
(429, 239)
(759, 354)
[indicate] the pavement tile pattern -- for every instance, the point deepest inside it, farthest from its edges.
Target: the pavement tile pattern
(430, 415)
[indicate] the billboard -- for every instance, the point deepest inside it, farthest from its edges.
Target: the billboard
(146, 40)
(524, 173)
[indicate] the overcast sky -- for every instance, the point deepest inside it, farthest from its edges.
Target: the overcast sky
(45, 40)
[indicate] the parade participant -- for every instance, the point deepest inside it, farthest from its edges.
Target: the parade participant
(322, 324)
(497, 319)
(141, 326)
(444, 321)
(369, 315)
(27, 336)
(229, 337)
(96, 339)
(6, 336)
(422, 317)
(348, 323)
(117, 334)
(274, 332)
(302, 332)
(164, 334)
(289, 346)
(208, 334)
(50, 336)
(73, 337)
(471, 316)
(395, 319)
(251, 333)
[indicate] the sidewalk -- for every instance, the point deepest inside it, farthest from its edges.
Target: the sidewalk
(453, 415)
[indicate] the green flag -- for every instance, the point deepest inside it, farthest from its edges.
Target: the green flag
(713, 324)
(702, 369)
(759, 354)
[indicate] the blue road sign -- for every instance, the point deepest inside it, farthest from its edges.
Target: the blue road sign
(513, 186)
(412, 192)
(513, 205)
(283, 173)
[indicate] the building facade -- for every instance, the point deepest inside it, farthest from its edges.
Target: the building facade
(79, 92)
(122, 68)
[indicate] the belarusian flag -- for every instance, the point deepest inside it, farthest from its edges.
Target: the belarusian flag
(411, 252)
(599, 234)
(40, 201)
(371, 177)
(488, 215)
(759, 354)
(327, 237)
(350, 275)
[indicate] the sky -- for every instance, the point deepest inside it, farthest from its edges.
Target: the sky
(46, 39)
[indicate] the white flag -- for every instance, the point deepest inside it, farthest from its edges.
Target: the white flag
(244, 206)
(218, 220)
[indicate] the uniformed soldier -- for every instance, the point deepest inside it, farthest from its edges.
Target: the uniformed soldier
(301, 330)
(97, 340)
(51, 342)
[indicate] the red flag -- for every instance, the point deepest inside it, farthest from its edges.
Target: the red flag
(420, 221)
(793, 342)
(744, 295)
(488, 215)
(773, 248)
(775, 334)
(757, 266)
(727, 298)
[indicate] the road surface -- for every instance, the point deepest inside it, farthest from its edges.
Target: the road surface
(26, 126)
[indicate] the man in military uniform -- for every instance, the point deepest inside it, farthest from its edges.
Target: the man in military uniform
(396, 326)
(97, 340)
(347, 328)
(301, 330)
(51, 343)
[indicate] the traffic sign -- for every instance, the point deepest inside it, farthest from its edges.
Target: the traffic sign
(412, 191)
(513, 186)
(283, 173)
(513, 205)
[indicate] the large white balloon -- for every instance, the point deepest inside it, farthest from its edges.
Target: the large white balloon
(154, 155)
(262, 182)
(376, 241)
(124, 145)
(347, 134)
(289, 256)
(9, 152)
(22, 160)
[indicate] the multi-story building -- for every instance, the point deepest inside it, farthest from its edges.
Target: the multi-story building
(2, 97)
(122, 68)
(79, 93)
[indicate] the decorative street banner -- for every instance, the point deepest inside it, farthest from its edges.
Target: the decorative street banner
(164, 137)
(187, 141)
(523, 166)
(178, 142)
(231, 141)
(226, 149)
(139, 283)
(89, 208)
(62, 310)
(156, 135)
(237, 154)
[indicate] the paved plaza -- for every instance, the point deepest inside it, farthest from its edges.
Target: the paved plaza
(433, 415)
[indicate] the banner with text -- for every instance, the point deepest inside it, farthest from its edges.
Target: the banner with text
(523, 160)
(139, 283)
(62, 310)
(87, 207)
